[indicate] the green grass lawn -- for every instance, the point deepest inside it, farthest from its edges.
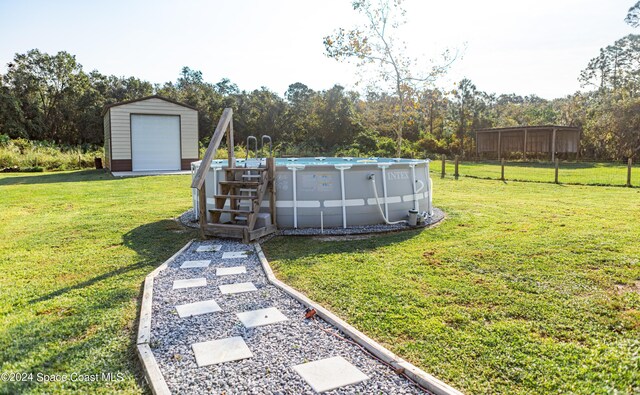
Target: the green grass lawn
(524, 288)
(74, 250)
(569, 172)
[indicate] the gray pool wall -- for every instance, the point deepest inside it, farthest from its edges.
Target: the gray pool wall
(318, 200)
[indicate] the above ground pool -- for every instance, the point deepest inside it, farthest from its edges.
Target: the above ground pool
(338, 192)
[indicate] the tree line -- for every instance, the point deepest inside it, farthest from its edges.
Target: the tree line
(51, 98)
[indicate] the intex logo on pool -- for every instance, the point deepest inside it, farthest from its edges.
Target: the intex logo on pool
(397, 175)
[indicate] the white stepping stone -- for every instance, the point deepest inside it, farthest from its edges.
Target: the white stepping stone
(219, 351)
(237, 288)
(209, 248)
(235, 254)
(194, 264)
(197, 308)
(190, 283)
(261, 317)
(226, 271)
(328, 374)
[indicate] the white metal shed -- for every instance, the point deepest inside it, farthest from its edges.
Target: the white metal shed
(150, 134)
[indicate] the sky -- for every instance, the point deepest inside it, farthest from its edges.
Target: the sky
(505, 46)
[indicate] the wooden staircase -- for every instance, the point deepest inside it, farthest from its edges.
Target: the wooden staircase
(238, 203)
(244, 189)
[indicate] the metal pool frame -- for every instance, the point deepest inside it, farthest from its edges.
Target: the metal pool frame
(312, 193)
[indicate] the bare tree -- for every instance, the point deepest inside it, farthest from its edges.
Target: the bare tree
(376, 43)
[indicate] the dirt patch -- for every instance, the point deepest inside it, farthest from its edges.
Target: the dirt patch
(625, 288)
(429, 256)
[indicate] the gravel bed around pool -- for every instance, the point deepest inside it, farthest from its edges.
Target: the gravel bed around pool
(276, 347)
(188, 219)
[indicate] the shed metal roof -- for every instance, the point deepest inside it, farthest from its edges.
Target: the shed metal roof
(108, 106)
(534, 127)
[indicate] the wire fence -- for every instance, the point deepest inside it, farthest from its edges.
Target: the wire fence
(563, 172)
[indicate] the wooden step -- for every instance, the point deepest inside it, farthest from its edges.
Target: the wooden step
(239, 197)
(226, 226)
(240, 183)
(245, 169)
(231, 211)
(226, 230)
(237, 231)
(252, 175)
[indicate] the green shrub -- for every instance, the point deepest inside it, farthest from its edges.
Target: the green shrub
(28, 155)
(238, 151)
(34, 169)
(8, 158)
(371, 144)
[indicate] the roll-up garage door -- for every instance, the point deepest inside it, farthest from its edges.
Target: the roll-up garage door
(155, 142)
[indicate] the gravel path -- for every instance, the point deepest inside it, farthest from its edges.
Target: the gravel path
(276, 347)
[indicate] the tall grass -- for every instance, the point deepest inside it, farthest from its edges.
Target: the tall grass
(26, 155)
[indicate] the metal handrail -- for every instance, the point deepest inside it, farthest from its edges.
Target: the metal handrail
(256, 148)
(270, 144)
